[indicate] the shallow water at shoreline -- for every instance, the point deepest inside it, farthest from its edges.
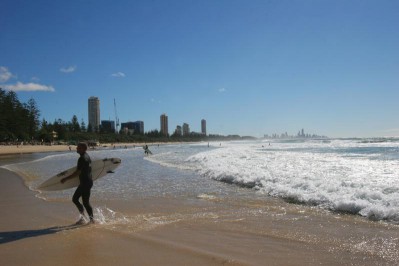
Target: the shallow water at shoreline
(7, 159)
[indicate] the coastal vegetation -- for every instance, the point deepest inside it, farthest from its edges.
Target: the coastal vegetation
(20, 122)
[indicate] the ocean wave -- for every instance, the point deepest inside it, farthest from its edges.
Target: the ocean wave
(329, 179)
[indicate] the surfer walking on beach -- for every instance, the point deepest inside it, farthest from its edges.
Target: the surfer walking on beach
(83, 170)
(147, 150)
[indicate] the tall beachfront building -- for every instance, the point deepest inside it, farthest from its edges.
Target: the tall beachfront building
(108, 126)
(186, 129)
(164, 125)
(94, 113)
(203, 127)
(133, 127)
(178, 131)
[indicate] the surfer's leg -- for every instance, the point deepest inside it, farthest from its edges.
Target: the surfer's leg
(86, 202)
(75, 199)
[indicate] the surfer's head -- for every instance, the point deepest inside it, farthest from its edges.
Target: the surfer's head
(82, 147)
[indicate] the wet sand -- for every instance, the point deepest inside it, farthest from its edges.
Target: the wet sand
(165, 231)
(35, 232)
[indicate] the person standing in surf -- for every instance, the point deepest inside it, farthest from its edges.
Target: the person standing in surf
(147, 150)
(83, 169)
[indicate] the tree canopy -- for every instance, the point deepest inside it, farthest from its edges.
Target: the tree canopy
(18, 121)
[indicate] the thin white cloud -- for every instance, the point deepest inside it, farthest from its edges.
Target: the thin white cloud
(5, 75)
(68, 69)
(155, 100)
(29, 87)
(119, 75)
(222, 90)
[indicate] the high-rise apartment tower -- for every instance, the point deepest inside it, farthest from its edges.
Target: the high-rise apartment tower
(186, 129)
(178, 131)
(203, 127)
(164, 125)
(94, 113)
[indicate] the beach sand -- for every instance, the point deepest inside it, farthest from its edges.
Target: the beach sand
(24, 149)
(38, 232)
(20, 149)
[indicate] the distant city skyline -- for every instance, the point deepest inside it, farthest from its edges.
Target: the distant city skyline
(97, 124)
(248, 67)
(301, 134)
(184, 130)
(181, 130)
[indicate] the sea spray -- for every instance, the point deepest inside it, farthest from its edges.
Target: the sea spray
(106, 216)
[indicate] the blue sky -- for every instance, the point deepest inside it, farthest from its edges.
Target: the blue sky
(248, 67)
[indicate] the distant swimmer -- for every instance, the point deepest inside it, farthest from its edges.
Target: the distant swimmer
(147, 150)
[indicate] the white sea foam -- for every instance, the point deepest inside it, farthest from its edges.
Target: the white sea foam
(105, 215)
(342, 175)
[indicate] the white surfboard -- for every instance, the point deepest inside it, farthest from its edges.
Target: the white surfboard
(99, 168)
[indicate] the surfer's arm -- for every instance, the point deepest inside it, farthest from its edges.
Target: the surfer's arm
(74, 174)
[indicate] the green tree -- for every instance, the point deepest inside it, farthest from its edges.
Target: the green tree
(44, 132)
(3, 118)
(83, 126)
(14, 116)
(90, 128)
(75, 124)
(33, 117)
(60, 128)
